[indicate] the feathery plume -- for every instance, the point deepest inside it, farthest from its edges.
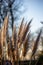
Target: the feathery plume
(21, 26)
(4, 30)
(35, 46)
(26, 44)
(25, 31)
(36, 43)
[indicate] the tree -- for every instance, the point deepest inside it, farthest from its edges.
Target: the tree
(10, 7)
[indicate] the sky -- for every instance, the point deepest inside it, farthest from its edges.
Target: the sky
(33, 9)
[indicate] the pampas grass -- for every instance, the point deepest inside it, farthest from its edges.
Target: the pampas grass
(15, 42)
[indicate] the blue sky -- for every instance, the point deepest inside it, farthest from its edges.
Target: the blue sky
(33, 9)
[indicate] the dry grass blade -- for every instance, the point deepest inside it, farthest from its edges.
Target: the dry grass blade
(26, 30)
(9, 50)
(19, 33)
(36, 43)
(20, 36)
(14, 44)
(14, 37)
(21, 26)
(26, 44)
(4, 31)
(4, 37)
